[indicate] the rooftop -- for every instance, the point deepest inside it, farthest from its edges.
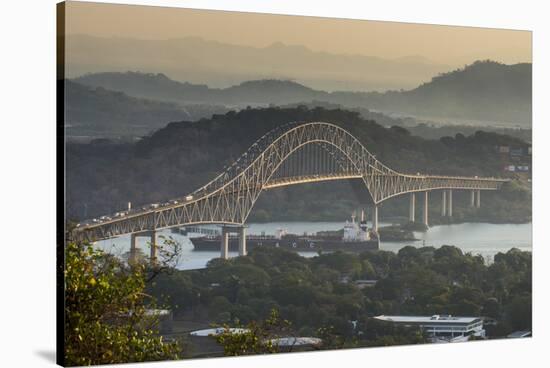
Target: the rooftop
(296, 341)
(157, 312)
(446, 319)
(217, 331)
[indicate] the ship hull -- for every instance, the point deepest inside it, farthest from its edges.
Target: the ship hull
(294, 244)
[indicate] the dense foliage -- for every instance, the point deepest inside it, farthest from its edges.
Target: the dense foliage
(106, 312)
(254, 338)
(320, 292)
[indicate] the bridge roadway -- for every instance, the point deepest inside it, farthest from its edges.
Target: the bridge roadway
(284, 157)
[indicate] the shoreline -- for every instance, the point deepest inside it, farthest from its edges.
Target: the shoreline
(394, 220)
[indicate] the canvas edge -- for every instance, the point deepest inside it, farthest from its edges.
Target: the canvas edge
(60, 183)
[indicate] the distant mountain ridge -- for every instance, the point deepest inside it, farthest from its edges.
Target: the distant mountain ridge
(160, 87)
(487, 89)
(484, 90)
(218, 64)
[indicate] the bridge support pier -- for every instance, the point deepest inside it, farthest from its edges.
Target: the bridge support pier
(425, 212)
(443, 203)
(224, 243)
(152, 234)
(153, 255)
(478, 198)
(411, 207)
(450, 203)
(375, 218)
(242, 241)
(472, 198)
(133, 249)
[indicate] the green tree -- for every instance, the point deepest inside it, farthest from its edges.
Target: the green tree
(219, 309)
(255, 338)
(520, 312)
(106, 311)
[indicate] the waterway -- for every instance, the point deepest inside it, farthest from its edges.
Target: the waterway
(477, 238)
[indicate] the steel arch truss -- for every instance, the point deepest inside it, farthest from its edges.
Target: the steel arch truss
(230, 197)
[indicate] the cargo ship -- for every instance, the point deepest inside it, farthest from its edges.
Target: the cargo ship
(354, 237)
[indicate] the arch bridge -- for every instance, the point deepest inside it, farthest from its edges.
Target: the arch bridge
(290, 154)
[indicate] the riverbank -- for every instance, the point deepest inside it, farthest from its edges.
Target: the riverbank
(434, 220)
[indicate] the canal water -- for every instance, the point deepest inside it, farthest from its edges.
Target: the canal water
(477, 238)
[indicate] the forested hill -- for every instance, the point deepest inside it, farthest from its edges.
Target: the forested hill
(97, 110)
(483, 78)
(100, 112)
(485, 90)
(183, 156)
(234, 132)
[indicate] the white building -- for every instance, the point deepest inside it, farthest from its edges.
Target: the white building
(441, 328)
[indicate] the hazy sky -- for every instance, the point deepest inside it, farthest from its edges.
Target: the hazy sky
(454, 46)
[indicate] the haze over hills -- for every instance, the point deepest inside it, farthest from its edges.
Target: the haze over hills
(486, 91)
(160, 87)
(217, 64)
(94, 110)
(100, 112)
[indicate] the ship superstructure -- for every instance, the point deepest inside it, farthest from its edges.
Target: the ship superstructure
(354, 231)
